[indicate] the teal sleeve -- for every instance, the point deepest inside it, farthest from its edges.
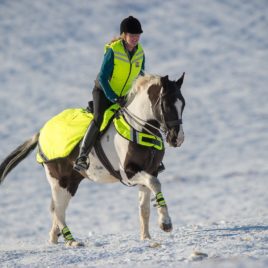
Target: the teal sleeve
(105, 74)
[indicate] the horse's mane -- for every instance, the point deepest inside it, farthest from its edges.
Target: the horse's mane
(144, 82)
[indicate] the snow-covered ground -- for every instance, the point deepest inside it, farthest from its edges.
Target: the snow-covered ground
(215, 185)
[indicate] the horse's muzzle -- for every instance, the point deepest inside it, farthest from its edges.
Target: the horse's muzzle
(174, 138)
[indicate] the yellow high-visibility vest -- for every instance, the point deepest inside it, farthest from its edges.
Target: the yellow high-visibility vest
(125, 70)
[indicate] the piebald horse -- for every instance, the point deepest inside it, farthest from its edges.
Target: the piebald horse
(154, 105)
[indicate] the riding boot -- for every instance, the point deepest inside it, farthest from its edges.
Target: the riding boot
(82, 161)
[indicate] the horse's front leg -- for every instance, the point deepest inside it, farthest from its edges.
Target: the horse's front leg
(143, 178)
(144, 205)
(163, 215)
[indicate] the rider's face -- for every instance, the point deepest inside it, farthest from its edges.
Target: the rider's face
(132, 39)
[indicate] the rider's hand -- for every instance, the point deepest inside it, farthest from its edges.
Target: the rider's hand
(121, 101)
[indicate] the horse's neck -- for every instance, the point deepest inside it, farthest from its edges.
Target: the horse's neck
(141, 108)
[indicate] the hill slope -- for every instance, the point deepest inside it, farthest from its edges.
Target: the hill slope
(215, 185)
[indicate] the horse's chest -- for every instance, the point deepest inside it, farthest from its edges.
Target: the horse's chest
(142, 158)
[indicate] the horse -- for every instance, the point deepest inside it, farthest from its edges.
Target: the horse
(154, 106)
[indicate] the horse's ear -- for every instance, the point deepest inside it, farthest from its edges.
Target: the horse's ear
(164, 80)
(180, 80)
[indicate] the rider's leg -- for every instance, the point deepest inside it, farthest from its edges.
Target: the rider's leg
(101, 103)
(88, 141)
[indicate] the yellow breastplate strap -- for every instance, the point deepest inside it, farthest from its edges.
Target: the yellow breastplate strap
(131, 134)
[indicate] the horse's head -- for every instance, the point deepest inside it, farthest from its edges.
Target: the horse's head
(168, 105)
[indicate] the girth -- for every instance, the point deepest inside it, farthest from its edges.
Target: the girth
(105, 161)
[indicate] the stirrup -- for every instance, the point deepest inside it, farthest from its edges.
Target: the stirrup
(81, 164)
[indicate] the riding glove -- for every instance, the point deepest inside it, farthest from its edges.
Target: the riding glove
(121, 101)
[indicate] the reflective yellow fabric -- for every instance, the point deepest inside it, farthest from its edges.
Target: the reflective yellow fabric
(144, 139)
(108, 115)
(63, 132)
(122, 127)
(125, 70)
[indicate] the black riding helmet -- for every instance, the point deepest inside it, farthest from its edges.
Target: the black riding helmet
(130, 25)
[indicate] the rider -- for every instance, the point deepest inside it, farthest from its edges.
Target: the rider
(123, 62)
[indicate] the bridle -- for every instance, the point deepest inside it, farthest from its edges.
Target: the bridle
(165, 125)
(140, 121)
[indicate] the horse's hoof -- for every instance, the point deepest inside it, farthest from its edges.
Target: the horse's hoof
(155, 245)
(167, 227)
(53, 240)
(145, 237)
(74, 243)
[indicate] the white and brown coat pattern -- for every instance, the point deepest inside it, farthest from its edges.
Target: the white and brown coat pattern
(159, 103)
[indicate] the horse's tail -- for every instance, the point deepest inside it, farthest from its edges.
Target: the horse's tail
(17, 156)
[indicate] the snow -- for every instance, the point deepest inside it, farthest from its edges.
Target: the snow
(215, 184)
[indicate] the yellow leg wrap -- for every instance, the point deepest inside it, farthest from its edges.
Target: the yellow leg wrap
(67, 234)
(160, 200)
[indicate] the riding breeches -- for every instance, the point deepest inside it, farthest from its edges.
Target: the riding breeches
(101, 104)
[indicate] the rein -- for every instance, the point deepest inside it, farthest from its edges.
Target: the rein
(140, 121)
(167, 124)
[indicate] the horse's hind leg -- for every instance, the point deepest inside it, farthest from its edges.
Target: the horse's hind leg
(59, 204)
(55, 230)
(60, 200)
(144, 199)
